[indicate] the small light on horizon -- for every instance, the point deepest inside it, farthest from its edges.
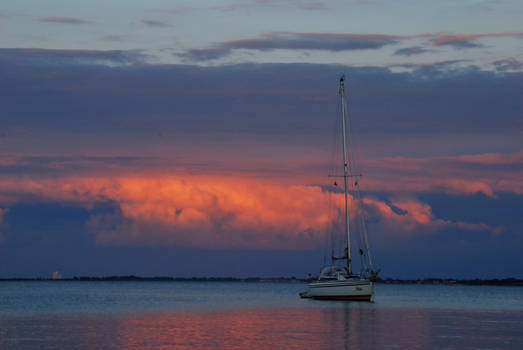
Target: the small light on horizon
(57, 276)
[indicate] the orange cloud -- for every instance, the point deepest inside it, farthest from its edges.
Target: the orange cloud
(191, 210)
(241, 210)
(416, 217)
(217, 211)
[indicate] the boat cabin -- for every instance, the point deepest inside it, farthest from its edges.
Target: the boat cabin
(334, 272)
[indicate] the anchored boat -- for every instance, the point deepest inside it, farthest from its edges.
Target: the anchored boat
(338, 281)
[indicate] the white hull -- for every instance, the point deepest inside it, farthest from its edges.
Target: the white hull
(342, 290)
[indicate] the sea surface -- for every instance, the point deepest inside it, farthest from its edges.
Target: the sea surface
(238, 315)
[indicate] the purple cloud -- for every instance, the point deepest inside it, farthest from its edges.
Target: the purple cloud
(295, 41)
(338, 42)
(313, 5)
(65, 20)
(115, 37)
(154, 23)
(409, 51)
(299, 4)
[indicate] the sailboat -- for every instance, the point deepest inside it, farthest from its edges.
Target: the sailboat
(337, 281)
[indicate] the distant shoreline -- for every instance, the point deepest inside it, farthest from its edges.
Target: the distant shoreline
(425, 281)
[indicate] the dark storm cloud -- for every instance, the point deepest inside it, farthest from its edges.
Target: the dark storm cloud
(65, 20)
(295, 41)
(271, 99)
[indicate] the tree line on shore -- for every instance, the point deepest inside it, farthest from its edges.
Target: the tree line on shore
(430, 281)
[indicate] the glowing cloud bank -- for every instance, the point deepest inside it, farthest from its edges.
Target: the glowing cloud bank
(218, 211)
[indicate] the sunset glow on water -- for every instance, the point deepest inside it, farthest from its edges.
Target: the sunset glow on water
(203, 315)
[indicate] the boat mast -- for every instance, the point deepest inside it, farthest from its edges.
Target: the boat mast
(345, 171)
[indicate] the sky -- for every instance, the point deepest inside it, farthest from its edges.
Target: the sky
(195, 138)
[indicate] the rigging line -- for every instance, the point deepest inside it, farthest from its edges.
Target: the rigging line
(356, 224)
(328, 228)
(361, 242)
(356, 197)
(358, 193)
(328, 232)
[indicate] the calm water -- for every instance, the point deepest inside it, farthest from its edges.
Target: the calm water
(215, 315)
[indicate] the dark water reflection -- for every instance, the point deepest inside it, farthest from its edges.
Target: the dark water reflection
(342, 326)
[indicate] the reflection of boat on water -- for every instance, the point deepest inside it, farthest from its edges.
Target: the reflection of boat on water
(338, 282)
